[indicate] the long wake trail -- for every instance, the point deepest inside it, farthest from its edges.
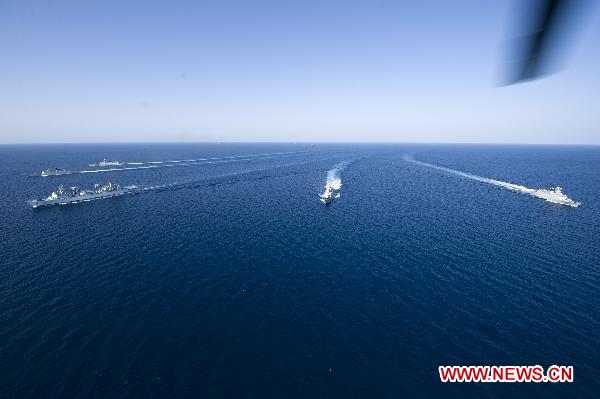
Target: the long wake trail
(211, 159)
(191, 182)
(192, 162)
(554, 195)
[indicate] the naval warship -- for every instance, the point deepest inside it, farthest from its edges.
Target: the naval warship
(51, 172)
(556, 196)
(107, 162)
(329, 194)
(74, 195)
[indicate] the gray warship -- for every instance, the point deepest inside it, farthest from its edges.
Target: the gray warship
(51, 172)
(74, 195)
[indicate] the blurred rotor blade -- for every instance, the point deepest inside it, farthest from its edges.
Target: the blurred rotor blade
(547, 27)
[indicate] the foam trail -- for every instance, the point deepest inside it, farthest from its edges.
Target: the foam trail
(334, 178)
(156, 165)
(196, 181)
(210, 159)
(333, 182)
(555, 195)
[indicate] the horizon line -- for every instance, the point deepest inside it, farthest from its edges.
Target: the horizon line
(300, 142)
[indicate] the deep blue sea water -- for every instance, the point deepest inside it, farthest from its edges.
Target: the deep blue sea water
(232, 279)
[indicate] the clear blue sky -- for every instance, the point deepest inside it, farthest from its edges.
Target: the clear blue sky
(347, 70)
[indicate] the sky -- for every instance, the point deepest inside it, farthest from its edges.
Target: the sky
(325, 70)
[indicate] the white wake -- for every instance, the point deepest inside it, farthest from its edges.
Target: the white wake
(333, 182)
(212, 159)
(192, 162)
(554, 195)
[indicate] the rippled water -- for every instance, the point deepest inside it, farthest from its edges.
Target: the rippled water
(232, 279)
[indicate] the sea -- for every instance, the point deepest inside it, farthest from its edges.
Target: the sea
(225, 276)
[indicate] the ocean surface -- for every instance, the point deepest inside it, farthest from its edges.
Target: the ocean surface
(226, 277)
